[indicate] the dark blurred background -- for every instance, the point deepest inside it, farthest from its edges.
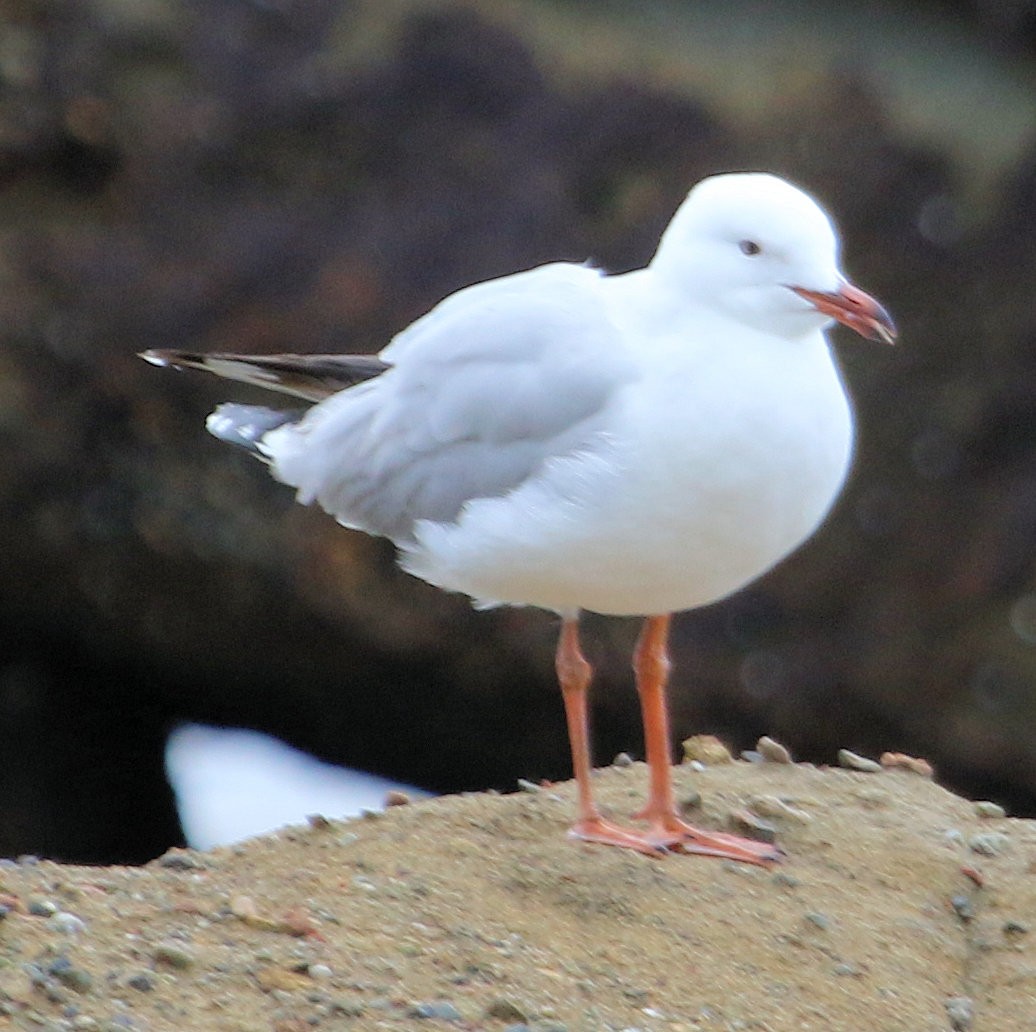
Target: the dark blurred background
(312, 175)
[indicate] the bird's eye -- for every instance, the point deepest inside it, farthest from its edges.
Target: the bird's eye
(750, 248)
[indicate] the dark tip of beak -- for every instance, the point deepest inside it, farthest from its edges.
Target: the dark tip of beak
(855, 309)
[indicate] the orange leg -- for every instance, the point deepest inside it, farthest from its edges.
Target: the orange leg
(667, 829)
(574, 674)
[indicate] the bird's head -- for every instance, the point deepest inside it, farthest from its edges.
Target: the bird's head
(761, 251)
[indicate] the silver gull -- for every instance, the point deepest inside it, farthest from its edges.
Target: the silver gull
(635, 444)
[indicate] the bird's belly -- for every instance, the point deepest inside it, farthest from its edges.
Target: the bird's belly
(646, 527)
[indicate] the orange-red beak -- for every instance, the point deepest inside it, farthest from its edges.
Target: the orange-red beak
(855, 309)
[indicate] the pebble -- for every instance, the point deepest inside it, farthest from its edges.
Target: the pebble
(348, 1008)
(988, 843)
(821, 921)
(847, 970)
(525, 785)
(963, 907)
(707, 749)
(961, 1012)
(913, 764)
(505, 1010)
(771, 751)
(1013, 927)
(993, 811)
(319, 972)
(623, 759)
(66, 923)
(175, 955)
(120, 1023)
(67, 974)
(395, 797)
(179, 860)
(755, 827)
(690, 801)
(772, 806)
(853, 761)
(142, 981)
(439, 1009)
(42, 908)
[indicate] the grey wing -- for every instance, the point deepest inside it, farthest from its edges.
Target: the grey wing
(482, 393)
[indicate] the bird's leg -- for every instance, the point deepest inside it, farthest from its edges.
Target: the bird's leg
(667, 828)
(574, 673)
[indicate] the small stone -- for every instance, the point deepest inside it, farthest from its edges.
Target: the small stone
(394, 797)
(750, 756)
(847, 970)
(623, 759)
(244, 907)
(974, 874)
(1013, 927)
(505, 1010)
(348, 1008)
(179, 860)
(991, 811)
(42, 908)
(963, 907)
(142, 981)
(67, 974)
(439, 1009)
(771, 751)
(707, 749)
(175, 955)
(754, 827)
(853, 761)
(690, 801)
(821, 921)
(525, 785)
(785, 880)
(319, 972)
(66, 923)
(772, 806)
(913, 764)
(317, 821)
(988, 843)
(961, 1012)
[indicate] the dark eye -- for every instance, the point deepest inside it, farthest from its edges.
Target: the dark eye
(750, 248)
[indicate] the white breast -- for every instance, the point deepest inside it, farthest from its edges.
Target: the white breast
(713, 472)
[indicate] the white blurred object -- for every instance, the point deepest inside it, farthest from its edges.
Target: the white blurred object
(231, 784)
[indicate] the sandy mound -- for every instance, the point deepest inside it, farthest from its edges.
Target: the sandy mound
(898, 908)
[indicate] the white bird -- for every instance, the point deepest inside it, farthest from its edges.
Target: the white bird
(636, 444)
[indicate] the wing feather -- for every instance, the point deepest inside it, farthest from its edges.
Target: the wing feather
(482, 392)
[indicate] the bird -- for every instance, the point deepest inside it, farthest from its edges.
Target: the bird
(634, 444)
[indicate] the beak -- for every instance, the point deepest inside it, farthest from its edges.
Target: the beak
(853, 308)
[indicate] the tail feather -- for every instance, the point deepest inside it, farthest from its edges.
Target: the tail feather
(247, 425)
(310, 377)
